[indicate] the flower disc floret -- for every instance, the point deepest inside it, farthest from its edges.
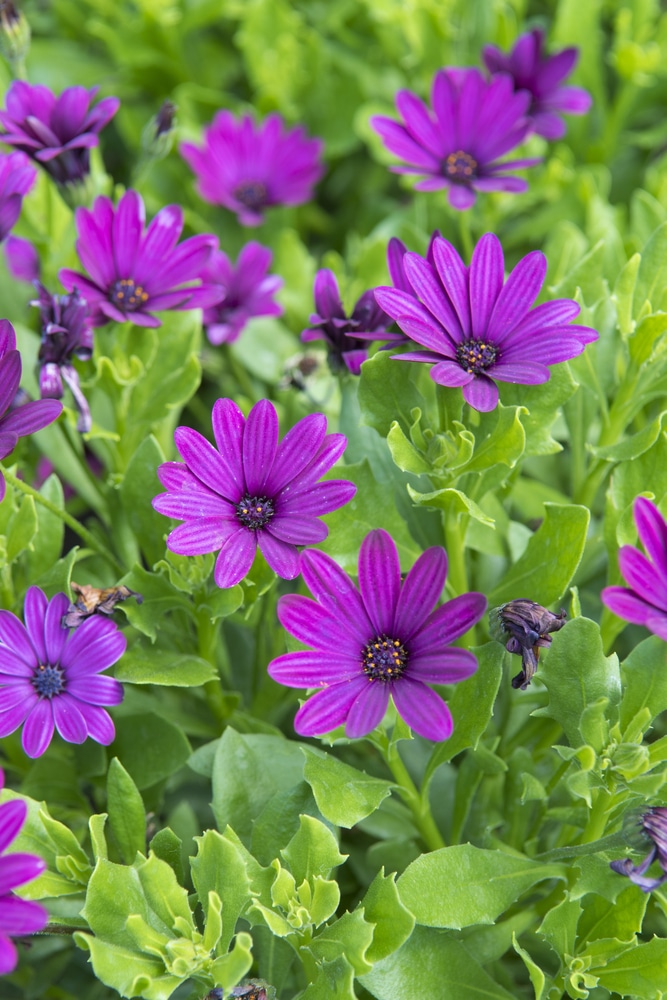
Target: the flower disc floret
(383, 640)
(252, 490)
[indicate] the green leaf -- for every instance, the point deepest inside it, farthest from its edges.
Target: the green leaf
(652, 273)
(159, 597)
(127, 815)
(452, 502)
(389, 391)
(265, 348)
(537, 977)
(335, 981)
(393, 922)
(21, 529)
(220, 866)
(149, 747)
(349, 936)
(639, 972)
(624, 290)
(312, 851)
(160, 666)
(644, 675)
(139, 485)
(542, 405)
(168, 847)
(343, 794)
(463, 885)
(603, 918)
(129, 972)
(636, 444)
(48, 542)
(559, 927)
(230, 968)
(501, 441)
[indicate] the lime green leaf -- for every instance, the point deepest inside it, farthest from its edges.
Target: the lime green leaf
(313, 850)
(220, 866)
(158, 666)
(639, 972)
(149, 747)
(393, 922)
(343, 794)
(127, 815)
(349, 936)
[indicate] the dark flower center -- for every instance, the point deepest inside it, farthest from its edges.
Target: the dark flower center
(127, 295)
(384, 659)
(460, 167)
(48, 681)
(254, 512)
(252, 194)
(476, 356)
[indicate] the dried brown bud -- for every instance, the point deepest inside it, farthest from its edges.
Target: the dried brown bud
(92, 600)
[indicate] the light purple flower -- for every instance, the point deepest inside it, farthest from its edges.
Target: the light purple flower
(644, 602)
(252, 490)
(22, 259)
(248, 291)
(133, 272)
(457, 146)
(57, 132)
(50, 675)
(382, 640)
(19, 421)
(542, 76)
(17, 916)
(248, 167)
(653, 824)
(17, 176)
(477, 327)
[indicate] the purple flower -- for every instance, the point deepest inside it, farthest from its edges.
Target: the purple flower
(66, 333)
(17, 176)
(248, 168)
(22, 259)
(25, 419)
(57, 132)
(135, 273)
(476, 326)
(542, 77)
(474, 122)
(653, 825)
(17, 916)
(644, 602)
(383, 639)
(51, 676)
(248, 292)
(345, 335)
(252, 490)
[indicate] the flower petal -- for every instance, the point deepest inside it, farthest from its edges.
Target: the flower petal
(282, 556)
(38, 729)
(312, 668)
(652, 532)
(328, 709)
(420, 592)
(423, 710)
(336, 593)
(449, 622)
(379, 580)
(260, 440)
(368, 709)
(235, 557)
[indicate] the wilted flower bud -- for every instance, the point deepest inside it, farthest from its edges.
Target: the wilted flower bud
(158, 136)
(215, 994)
(14, 33)
(523, 627)
(254, 989)
(653, 824)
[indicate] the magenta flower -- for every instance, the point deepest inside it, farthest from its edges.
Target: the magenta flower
(383, 639)
(135, 273)
(542, 77)
(653, 825)
(252, 490)
(458, 146)
(476, 326)
(248, 291)
(57, 132)
(22, 259)
(644, 602)
(50, 675)
(19, 421)
(66, 334)
(17, 177)
(247, 167)
(17, 916)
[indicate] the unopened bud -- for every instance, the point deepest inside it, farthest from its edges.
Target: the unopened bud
(158, 136)
(14, 33)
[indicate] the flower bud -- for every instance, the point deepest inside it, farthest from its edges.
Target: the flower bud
(157, 137)
(14, 33)
(523, 627)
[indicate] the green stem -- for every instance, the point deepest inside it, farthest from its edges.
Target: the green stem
(76, 526)
(466, 235)
(418, 804)
(612, 842)
(599, 815)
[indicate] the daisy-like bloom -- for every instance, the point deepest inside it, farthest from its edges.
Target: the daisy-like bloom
(133, 273)
(66, 334)
(382, 640)
(248, 167)
(457, 146)
(346, 336)
(19, 421)
(248, 291)
(644, 602)
(17, 176)
(57, 132)
(653, 824)
(479, 329)
(17, 916)
(524, 627)
(542, 76)
(50, 675)
(252, 490)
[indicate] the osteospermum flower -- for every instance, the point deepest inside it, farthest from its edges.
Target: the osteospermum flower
(380, 641)
(133, 273)
(478, 328)
(542, 76)
(458, 146)
(22, 259)
(50, 675)
(17, 176)
(17, 916)
(644, 602)
(653, 825)
(21, 420)
(248, 290)
(57, 132)
(251, 490)
(248, 167)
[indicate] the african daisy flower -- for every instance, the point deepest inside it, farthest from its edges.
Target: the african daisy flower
(248, 290)
(66, 334)
(21, 420)
(653, 825)
(381, 640)
(57, 132)
(248, 167)
(478, 328)
(644, 602)
(17, 916)
(133, 273)
(251, 490)
(17, 177)
(542, 76)
(457, 146)
(50, 675)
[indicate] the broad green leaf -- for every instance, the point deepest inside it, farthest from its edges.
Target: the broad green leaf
(349, 936)
(452, 502)
(624, 290)
(559, 927)
(312, 851)
(276, 824)
(644, 675)
(537, 977)
(648, 331)
(639, 972)
(404, 453)
(335, 981)
(149, 747)
(127, 815)
(389, 391)
(128, 971)
(603, 918)
(142, 665)
(48, 542)
(220, 866)
(265, 347)
(159, 597)
(501, 439)
(140, 484)
(541, 405)
(343, 794)
(168, 847)
(230, 968)
(21, 528)
(652, 273)
(636, 444)
(393, 922)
